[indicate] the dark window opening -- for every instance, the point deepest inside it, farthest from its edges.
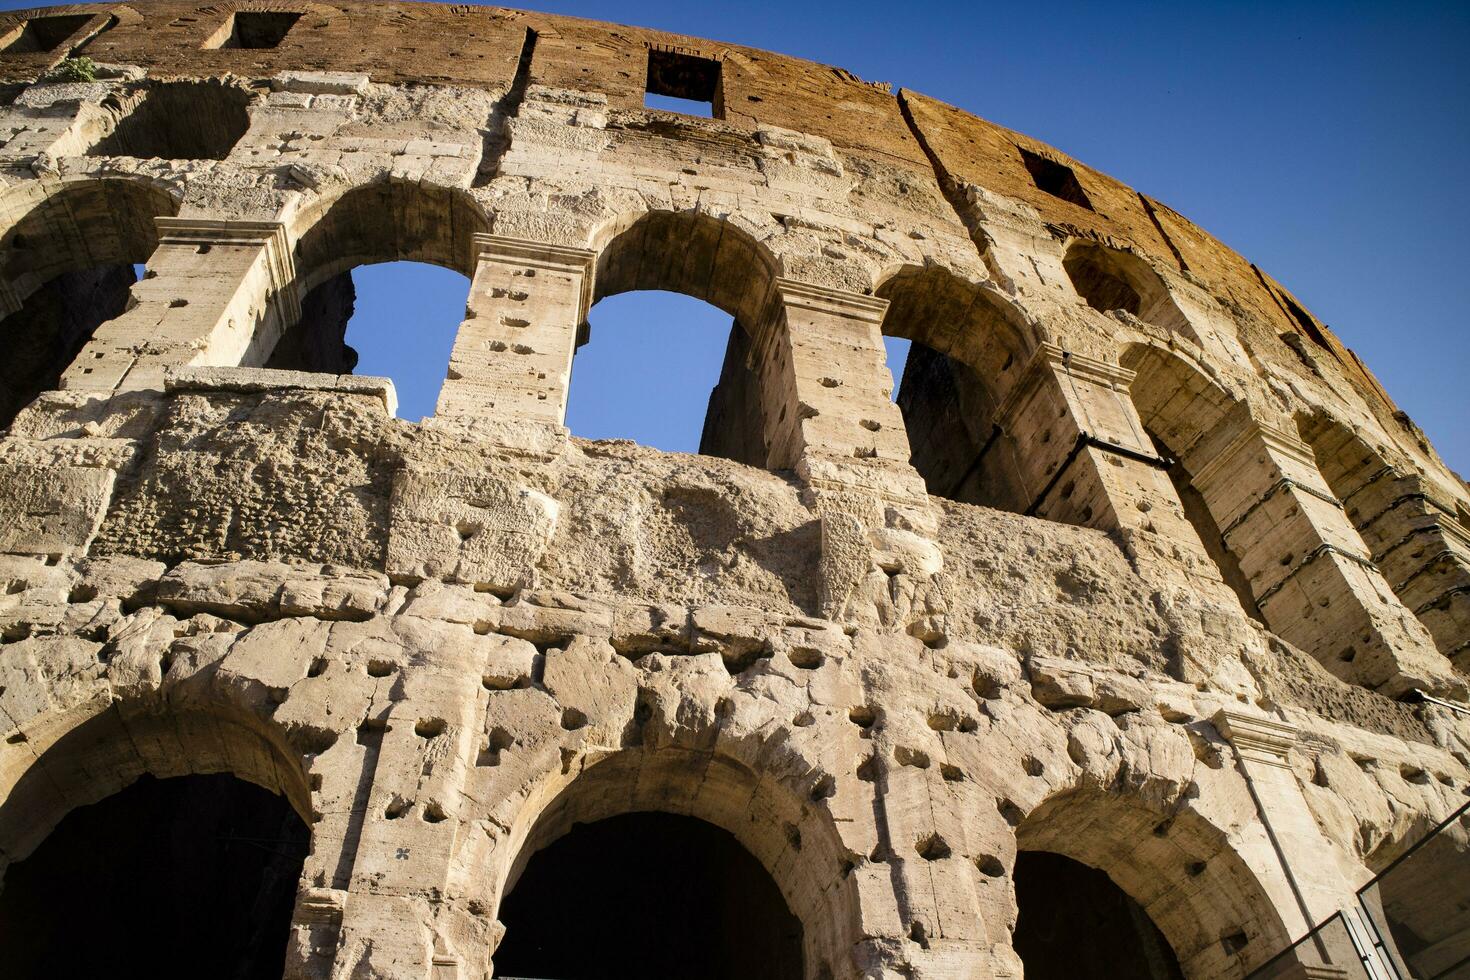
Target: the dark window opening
(1075, 924)
(180, 121)
(191, 876)
(44, 33)
(684, 83)
(642, 375)
(1056, 179)
(955, 444)
(392, 319)
(1098, 284)
(254, 29)
(45, 335)
(647, 896)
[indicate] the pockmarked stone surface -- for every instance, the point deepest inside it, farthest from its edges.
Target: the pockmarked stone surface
(1142, 575)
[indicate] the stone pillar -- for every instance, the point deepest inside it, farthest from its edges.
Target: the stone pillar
(1318, 880)
(825, 385)
(1084, 458)
(397, 918)
(1312, 577)
(217, 293)
(512, 359)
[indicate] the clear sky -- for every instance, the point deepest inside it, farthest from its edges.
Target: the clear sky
(1324, 141)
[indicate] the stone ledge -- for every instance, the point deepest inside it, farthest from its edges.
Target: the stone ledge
(270, 379)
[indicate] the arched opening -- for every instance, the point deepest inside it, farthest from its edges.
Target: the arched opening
(666, 371)
(719, 272)
(192, 875)
(176, 121)
(1410, 526)
(964, 353)
(383, 271)
(1179, 407)
(69, 264)
(1075, 924)
(1107, 886)
(647, 895)
(705, 804)
(1109, 279)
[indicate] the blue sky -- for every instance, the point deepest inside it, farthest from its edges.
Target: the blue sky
(1324, 141)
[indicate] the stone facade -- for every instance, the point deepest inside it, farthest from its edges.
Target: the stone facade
(1146, 570)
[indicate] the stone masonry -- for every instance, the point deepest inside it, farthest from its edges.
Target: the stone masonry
(1144, 568)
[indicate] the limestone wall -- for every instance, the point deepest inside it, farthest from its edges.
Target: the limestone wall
(447, 641)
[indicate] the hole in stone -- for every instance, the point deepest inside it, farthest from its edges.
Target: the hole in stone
(318, 667)
(862, 716)
(805, 658)
(430, 727)
(932, 848)
(254, 29)
(990, 866)
(1056, 179)
(379, 668)
(572, 719)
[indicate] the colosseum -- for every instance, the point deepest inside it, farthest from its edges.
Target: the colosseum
(1130, 640)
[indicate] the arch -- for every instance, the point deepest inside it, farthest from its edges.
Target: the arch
(1111, 279)
(969, 348)
(1183, 871)
(66, 267)
(1180, 407)
(794, 840)
(387, 221)
(687, 252)
(74, 225)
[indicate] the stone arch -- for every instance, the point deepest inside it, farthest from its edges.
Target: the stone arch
(699, 255)
(388, 220)
(1186, 873)
(1109, 279)
(1180, 407)
(715, 261)
(1412, 527)
(795, 841)
(67, 255)
(98, 756)
(969, 348)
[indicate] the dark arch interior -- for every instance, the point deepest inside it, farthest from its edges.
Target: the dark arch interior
(179, 121)
(1075, 924)
(647, 896)
(192, 876)
(1099, 283)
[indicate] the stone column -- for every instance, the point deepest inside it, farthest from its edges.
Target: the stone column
(825, 385)
(1312, 868)
(398, 918)
(1083, 458)
(1311, 574)
(512, 358)
(216, 293)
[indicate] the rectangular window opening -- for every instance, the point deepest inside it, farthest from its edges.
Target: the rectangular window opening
(254, 29)
(1056, 179)
(684, 83)
(43, 33)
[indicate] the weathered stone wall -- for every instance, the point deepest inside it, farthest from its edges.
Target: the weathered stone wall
(447, 641)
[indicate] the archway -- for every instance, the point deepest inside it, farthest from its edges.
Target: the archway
(1110, 279)
(724, 268)
(1181, 876)
(648, 895)
(192, 875)
(966, 350)
(360, 264)
(1179, 408)
(712, 803)
(1074, 923)
(68, 265)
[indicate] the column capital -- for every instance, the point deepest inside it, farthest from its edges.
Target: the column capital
(792, 294)
(268, 235)
(1048, 358)
(1257, 738)
(541, 255)
(1236, 432)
